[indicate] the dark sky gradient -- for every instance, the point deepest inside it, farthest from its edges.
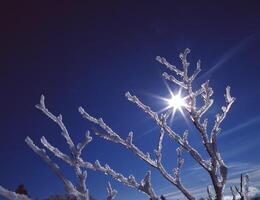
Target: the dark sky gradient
(90, 54)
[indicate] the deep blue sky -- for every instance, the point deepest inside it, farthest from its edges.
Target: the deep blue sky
(90, 54)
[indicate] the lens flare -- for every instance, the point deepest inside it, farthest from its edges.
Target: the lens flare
(176, 101)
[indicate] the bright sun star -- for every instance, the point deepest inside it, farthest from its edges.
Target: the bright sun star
(176, 101)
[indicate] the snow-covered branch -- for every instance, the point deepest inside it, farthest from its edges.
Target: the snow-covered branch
(110, 135)
(242, 192)
(221, 116)
(144, 186)
(58, 120)
(70, 188)
(111, 193)
(12, 195)
(79, 164)
(176, 137)
(75, 150)
(205, 92)
(211, 194)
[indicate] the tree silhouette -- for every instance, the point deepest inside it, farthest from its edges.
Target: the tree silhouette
(21, 190)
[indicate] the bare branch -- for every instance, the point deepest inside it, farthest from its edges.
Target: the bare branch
(158, 152)
(87, 140)
(78, 163)
(220, 117)
(56, 151)
(130, 181)
(171, 133)
(75, 150)
(196, 72)
(171, 67)
(111, 192)
(174, 80)
(146, 186)
(57, 120)
(180, 162)
(185, 63)
(233, 193)
(74, 162)
(144, 107)
(114, 137)
(12, 195)
(205, 92)
(70, 188)
(243, 191)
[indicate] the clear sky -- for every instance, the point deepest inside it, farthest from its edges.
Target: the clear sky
(90, 54)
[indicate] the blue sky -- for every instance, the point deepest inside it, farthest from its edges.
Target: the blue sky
(90, 54)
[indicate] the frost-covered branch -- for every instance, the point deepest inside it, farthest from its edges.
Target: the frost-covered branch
(176, 137)
(79, 164)
(205, 92)
(158, 151)
(211, 194)
(75, 150)
(241, 193)
(130, 181)
(171, 67)
(144, 186)
(111, 192)
(180, 162)
(221, 116)
(56, 151)
(128, 143)
(110, 135)
(147, 186)
(70, 188)
(12, 195)
(58, 120)
(215, 166)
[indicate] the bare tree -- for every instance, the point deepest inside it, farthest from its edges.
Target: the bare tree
(214, 166)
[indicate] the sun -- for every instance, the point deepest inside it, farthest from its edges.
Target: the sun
(176, 101)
